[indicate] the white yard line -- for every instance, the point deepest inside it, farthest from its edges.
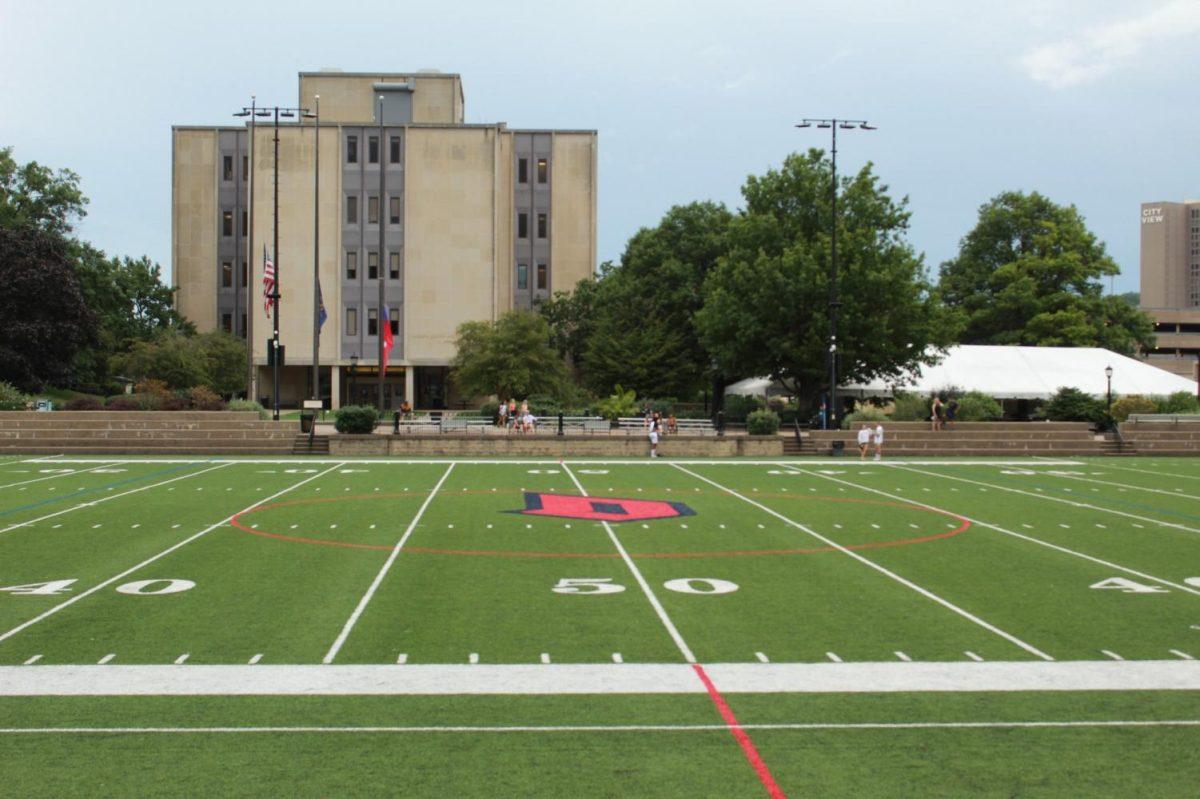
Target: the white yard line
(1014, 534)
(366, 598)
(1072, 502)
(1147, 471)
(672, 630)
(110, 498)
(1124, 485)
(55, 476)
(600, 678)
(881, 569)
(658, 462)
(606, 728)
(99, 587)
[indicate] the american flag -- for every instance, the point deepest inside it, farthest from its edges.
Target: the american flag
(268, 281)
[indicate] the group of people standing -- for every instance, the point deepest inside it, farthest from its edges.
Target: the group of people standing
(867, 437)
(942, 414)
(515, 420)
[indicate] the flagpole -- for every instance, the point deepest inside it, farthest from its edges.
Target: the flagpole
(248, 265)
(275, 287)
(382, 255)
(316, 339)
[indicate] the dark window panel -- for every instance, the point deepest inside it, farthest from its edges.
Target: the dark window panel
(352, 210)
(522, 170)
(542, 225)
(394, 149)
(522, 276)
(543, 170)
(351, 149)
(352, 266)
(227, 275)
(522, 226)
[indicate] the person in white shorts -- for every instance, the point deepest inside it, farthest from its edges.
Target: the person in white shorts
(864, 440)
(654, 438)
(879, 441)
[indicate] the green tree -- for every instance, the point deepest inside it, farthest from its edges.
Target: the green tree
(510, 357)
(224, 362)
(44, 320)
(644, 334)
(766, 309)
(570, 315)
(1030, 272)
(37, 196)
(172, 357)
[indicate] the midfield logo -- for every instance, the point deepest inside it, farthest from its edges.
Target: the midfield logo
(601, 509)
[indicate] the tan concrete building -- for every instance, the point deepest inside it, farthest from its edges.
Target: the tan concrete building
(475, 220)
(1170, 283)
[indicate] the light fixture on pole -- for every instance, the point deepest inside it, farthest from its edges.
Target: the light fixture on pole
(1108, 373)
(353, 374)
(833, 124)
(316, 336)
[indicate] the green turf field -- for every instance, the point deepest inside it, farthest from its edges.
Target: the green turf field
(176, 626)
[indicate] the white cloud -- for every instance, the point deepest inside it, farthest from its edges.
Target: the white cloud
(1097, 51)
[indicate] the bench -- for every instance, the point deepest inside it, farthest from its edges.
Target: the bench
(586, 424)
(463, 424)
(637, 424)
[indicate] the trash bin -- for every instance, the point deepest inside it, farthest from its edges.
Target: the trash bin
(306, 422)
(839, 448)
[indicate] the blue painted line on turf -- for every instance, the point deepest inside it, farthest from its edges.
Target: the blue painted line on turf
(1106, 499)
(74, 494)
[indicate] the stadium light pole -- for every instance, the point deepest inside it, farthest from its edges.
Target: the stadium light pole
(316, 337)
(252, 112)
(286, 112)
(833, 124)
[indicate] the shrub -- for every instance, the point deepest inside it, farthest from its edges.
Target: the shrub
(173, 402)
(488, 410)
(11, 399)
(621, 403)
(1132, 403)
(247, 405)
(157, 388)
(355, 419)
(863, 413)
(762, 423)
(543, 405)
(1072, 405)
(977, 407)
(149, 402)
(85, 402)
(1179, 402)
(203, 398)
(909, 407)
(738, 407)
(123, 402)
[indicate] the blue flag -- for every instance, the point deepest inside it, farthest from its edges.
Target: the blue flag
(321, 315)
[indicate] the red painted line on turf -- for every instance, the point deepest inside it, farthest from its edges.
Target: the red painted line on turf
(743, 738)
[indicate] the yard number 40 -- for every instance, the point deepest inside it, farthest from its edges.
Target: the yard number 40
(136, 588)
(605, 585)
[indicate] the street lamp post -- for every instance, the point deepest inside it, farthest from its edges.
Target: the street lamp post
(831, 416)
(287, 113)
(353, 374)
(316, 337)
(1108, 373)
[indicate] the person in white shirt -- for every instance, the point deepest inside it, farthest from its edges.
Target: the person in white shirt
(864, 440)
(653, 438)
(879, 441)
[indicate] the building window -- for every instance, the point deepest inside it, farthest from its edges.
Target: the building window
(245, 279)
(226, 275)
(372, 149)
(394, 149)
(393, 266)
(352, 266)
(522, 226)
(352, 210)
(351, 321)
(522, 276)
(227, 322)
(245, 167)
(372, 322)
(394, 210)
(227, 168)
(351, 149)
(543, 277)
(541, 226)
(227, 223)
(372, 266)
(543, 170)
(244, 224)
(394, 320)
(522, 170)
(372, 210)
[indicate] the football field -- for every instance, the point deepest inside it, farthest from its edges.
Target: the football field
(325, 627)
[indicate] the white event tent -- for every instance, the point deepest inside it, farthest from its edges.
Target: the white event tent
(1013, 372)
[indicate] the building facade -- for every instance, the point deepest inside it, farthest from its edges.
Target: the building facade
(1170, 282)
(460, 222)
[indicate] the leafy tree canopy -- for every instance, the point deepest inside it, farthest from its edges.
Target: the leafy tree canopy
(511, 358)
(1030, 272)
(182, 361)
(32, 194)
(766, 308)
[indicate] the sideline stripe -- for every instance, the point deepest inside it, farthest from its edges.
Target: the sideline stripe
(739, 732)
(50, 612)
(1126, 485)
(895, 725)
(684, 649)
(82, 492)
(1071, 502)
(881, 569)
(498, 461)
(1014, 534)
(366, 598)
(53, 476)
(1147, 471)
(110, 498)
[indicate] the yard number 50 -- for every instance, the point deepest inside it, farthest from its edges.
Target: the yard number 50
(605, 585)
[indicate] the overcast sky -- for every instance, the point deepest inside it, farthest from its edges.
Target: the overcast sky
(1088, 101)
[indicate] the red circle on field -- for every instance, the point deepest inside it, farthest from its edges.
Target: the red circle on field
(963, 526)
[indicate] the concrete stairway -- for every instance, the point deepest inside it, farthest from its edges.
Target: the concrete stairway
(1162, 437)
(975, 439)
(143, 433)
(305, 444)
